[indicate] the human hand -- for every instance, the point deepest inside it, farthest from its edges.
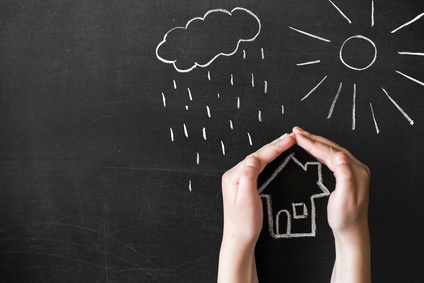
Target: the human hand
(347, 209)
(243, 212)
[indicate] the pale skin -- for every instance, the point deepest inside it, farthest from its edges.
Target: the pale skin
(347, 210)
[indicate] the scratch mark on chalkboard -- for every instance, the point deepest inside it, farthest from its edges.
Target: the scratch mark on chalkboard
(372, 13)
(399, 108)
(164, 100)
(309, 63)
(223, 148)
(340, 11)
(330, 113)
(408, 23)
(411, 78)
(185, 130)
(204, 134)
(250, 139)
(262, 54)
(207, 20)
(411, 53)
(309, 93)
(274, 229)
(354, 108)
(310, 35)
(375, 121)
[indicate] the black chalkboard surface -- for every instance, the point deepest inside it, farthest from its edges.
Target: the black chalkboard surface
(118, 119)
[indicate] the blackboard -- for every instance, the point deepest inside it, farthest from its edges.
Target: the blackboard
(111, 155)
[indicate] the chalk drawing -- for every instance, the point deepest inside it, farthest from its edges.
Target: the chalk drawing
(274, 229)
(398, 107)
(312, 90)
(358, 37)
(175, 84)
(186, 107)
(163, 100)
(282, 109)
(208, 111)
(354, 108)
(310, 35)
(408, 23)
(250, 139)
(265, 87)
(304, 208)
(172, 134)
(223, 148)
(253, 80)
(204, 134)
(217, 95)
(411, 78)
(375, 121)
(209, 75)
(231, 125)
(330, 113)
(372, 13)
(238, 102)
(260, 116)
(262, 54)
(244, 54)
(232, 79)
(185, 130)
(340, 11)
(174, 62)
(189, 185)
(309, 63)
(198, 158)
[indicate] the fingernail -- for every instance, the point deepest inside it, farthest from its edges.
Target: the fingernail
(283, 136)
(300, 130)
(341, 159)
(251, 162)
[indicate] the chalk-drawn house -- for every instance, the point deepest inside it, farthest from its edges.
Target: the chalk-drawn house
(281, 220)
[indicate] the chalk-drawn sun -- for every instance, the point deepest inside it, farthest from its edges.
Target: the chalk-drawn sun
(348, 47)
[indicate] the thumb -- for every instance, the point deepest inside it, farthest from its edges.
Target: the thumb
(345, 180)
(248, 187)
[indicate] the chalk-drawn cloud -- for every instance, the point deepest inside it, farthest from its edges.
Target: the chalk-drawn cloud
(203, 39)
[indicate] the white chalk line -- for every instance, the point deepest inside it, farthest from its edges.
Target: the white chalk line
(354, 108)
(340, 11)
(238, 102)
(173, 62)
(309, 93)
(310, 35)
(268, 202)
(330, 113)
(185, 130)
(231, 125)
(265, 87)
(363, 38)
(232, 79)
(223, 148)
(217, 95)
(244, 54)
(282, 109)
(309, 63)
(209, 75)
(175, 84)
(172, 134)
(411, 78)
(189, 94)
(163, 100)
(186, 107)
(250, 139)
(408, 23)
(208, 111)
(411, 122)
(411, 53)
(253, 80)
(189, 185)
(260, 116)
(262, 54)
(372, 13)
(375, 121)
(204, 134)
(198, 158)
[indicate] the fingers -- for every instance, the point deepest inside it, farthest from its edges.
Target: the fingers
(247, 189)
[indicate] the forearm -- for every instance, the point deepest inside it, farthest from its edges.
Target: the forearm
(352, 263)
(237, 265)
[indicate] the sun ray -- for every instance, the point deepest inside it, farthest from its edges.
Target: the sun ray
(310, 35)
(309, 63)
(340, 11)
(411, 53)
(312, 90)
(354, 108)
(408, 23)
(330, 113)
(398, 107)
(375, 121)
(372, 13)
(411, 78)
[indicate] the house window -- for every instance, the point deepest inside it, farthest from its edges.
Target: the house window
(300, 211)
